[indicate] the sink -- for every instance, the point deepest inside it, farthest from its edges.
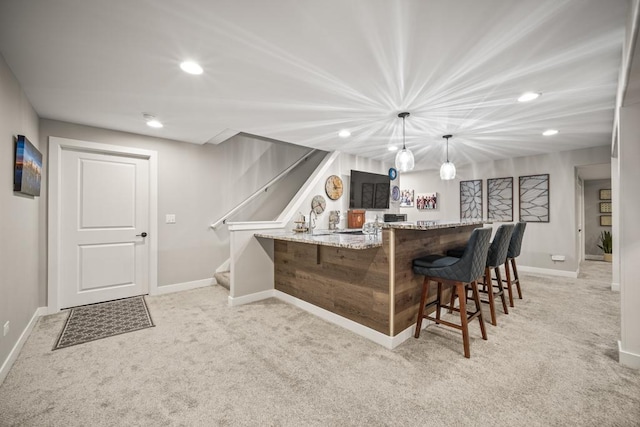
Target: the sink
(321, 233)
(353, 232)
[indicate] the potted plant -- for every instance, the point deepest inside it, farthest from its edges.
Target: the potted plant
(606, 244)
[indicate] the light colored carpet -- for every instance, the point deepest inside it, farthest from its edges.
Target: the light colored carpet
(551, 362)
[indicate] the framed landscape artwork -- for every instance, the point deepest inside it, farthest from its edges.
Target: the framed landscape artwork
(27, 168)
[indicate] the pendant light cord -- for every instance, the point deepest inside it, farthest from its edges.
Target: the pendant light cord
(403, 134)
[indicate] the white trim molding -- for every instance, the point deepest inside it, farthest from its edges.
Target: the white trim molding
(364, 331)
(615, 287)
(15, 351)
(246, 299)
(179, 287)
(628, 359)
(548, 271)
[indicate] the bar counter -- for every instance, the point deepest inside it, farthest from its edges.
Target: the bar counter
(366, 280)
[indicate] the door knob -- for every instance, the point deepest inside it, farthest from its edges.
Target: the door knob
(143, 234)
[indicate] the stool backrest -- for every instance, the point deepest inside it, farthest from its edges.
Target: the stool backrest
(516, 240)
(471, 265)
(498, 249)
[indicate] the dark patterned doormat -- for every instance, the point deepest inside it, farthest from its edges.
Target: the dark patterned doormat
(102, 320)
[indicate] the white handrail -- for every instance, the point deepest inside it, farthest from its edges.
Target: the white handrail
(223, 219)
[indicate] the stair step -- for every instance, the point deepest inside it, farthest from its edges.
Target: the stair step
(223, 278)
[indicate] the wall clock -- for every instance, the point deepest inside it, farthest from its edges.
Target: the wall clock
(334, 187)
(318, 204)
(393, 174)
(395, 193)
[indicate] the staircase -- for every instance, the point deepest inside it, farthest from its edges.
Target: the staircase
(223, 278)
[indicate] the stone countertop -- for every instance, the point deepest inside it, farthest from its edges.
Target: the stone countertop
(327, 238)
(433, 225)
(348, 240)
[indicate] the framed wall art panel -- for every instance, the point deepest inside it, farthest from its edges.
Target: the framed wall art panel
(534, 198)
(500, 199)
(471, 199)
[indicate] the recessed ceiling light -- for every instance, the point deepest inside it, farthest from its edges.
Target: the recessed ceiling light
(191, 67)
(344, 133)
(550, 132)
(152, 121)
(528, 96)
(392, 148)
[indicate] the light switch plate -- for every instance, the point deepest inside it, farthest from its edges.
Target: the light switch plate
(171, 218)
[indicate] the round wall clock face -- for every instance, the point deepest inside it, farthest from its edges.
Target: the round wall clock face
(393, 174)
(333, 187)
(318, 204)
(395, 193)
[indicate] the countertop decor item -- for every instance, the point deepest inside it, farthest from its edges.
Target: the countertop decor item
(318, 204)
(334, 187)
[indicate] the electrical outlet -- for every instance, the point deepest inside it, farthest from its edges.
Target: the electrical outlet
(6, 329)
(171, 219)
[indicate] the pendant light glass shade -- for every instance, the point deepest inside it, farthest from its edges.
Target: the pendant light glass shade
(448, 169)
(404, 159)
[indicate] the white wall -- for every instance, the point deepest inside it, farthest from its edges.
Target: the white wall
(629, 236)
(541, 239)
(342, 167)
(199, 184)
(21, 223)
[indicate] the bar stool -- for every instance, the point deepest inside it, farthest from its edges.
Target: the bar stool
(496, 256)
(512, 253)
(459, 274)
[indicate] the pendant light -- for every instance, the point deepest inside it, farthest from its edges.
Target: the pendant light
(404, 158)
(448, 169)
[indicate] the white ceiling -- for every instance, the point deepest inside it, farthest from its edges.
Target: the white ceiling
(301, 70)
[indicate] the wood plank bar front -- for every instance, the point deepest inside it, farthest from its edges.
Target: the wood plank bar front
(375, 287)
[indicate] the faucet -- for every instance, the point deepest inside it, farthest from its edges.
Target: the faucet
(312, 222)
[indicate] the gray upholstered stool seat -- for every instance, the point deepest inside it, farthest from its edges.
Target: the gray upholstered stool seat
(515, 244)
(496, 256)
(459, 274)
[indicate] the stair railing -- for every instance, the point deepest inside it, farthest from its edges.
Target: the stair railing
(263, 189)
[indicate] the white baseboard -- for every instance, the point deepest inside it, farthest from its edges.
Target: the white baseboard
(246, 299)
(15, 351)
(177, 287)
(615, 287)
(628, 359)
(548, 271)
(594, 257)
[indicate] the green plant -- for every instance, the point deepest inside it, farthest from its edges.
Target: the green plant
(606, 242)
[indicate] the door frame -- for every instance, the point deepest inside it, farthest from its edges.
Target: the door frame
(56, 145)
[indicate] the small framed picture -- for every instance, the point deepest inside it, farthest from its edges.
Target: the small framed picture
(427, 201)
(605, 194)
(605, 207)
(605, 220)
(407, 198)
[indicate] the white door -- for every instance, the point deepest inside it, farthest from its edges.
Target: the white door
(104, 226)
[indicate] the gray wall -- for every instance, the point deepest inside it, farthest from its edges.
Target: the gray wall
(199, 184)
(541, 239)
(592, 228)
(20, 224)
